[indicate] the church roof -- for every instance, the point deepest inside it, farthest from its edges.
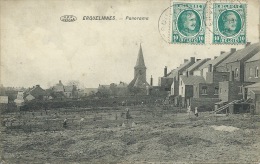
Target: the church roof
(140, 58)
(140, 83)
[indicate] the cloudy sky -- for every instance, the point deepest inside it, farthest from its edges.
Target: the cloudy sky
(38, 48)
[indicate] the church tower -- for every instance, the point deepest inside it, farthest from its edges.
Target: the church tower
(139, 80)
(140, 68)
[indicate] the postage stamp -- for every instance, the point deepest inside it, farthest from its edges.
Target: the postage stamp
(188, 23)
(229, 23)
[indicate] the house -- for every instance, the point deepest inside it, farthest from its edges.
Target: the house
(234, 64)
(70, 91)
(251, 70)
(61, 91)
(186, 88)
(195, 66)
(34, 93)
(175, 75)
(206, 95)
(210, 65)
(58, 87)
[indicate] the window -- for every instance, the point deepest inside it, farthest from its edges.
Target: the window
(182, 90)
(251, 73)
(204, 90)
(256, 71)
(236, 72)
(216, 91)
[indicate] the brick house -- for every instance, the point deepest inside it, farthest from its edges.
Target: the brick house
(210, 65)
(231, 90)
(176, 73)
(234, 64)
(251, 70)
(186, 88)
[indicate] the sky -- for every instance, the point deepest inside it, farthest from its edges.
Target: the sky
(38, 48)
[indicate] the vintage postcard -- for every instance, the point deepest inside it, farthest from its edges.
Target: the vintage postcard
(129, 81)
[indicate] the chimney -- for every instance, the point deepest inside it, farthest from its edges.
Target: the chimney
(215, 57)
(59, 81)
(247, 44)
(232, 76)
(186, 60)
(192, 59)
(210, 68)
(198, 59)
(151, 81)
(165, 71)
(222, 52)
(232, 50)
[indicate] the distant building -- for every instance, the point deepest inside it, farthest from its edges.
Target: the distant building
(61, 91)
(139, 81)
(34, 93)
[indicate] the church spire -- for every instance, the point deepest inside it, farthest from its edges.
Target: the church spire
(140, 58)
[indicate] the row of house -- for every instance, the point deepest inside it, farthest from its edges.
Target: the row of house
(210, 82)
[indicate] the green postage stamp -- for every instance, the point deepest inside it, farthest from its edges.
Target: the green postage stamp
(229, 23)
(188, 23)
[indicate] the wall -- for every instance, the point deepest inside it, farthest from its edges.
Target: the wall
(181, 88)
(232, 67)
(197, 90)
(188, 91)
(165, 82)
(175, 88)
(253, 65)
(203, 104)
(216, 77)
(224, 91)
(197, 73)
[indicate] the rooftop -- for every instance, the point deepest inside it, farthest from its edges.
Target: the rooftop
(255, 57)
(241, 54)
(190, 80)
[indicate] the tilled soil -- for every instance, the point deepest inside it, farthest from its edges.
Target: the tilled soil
(163, 136)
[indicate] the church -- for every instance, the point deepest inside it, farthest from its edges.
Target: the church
(139, 81)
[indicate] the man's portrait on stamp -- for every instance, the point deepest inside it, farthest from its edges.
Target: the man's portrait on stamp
(189, 23)
(229, 23)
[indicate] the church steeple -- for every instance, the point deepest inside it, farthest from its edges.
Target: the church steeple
(139, 72)
(140, 58)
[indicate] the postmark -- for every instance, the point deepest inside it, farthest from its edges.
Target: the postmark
(229, 23)
(188, 23)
